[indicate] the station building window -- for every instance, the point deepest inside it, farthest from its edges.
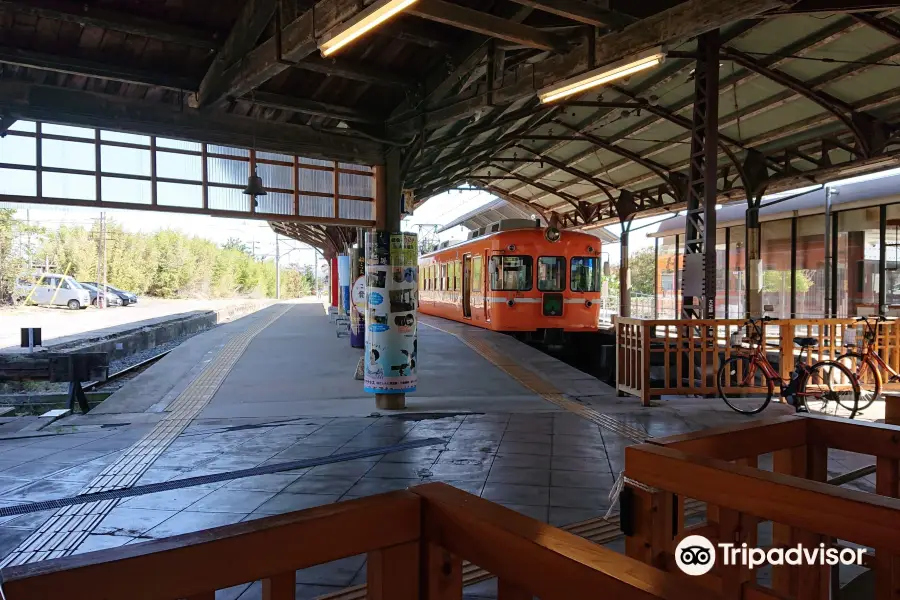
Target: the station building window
(737, 283)
(809, 278)
(775, 256)
(858, 256)
(551, 273)
(511, 273)
(585, 274)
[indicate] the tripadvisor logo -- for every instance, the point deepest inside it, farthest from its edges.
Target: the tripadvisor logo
(696, 555)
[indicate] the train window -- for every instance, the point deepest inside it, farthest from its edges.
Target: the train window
(476, 273)
(585, 274)
(551, 273)
(511, 273)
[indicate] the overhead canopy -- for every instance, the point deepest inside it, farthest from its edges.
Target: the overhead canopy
(808, 88)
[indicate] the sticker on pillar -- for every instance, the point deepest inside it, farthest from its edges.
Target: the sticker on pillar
(359, 295)
(392, 292)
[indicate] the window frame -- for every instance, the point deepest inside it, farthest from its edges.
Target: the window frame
(598, 277)
(527, 262)
(565, 263)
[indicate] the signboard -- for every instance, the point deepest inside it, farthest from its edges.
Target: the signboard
(392, 294)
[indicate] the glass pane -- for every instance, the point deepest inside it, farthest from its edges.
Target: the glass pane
(29, 126)
(228, 171)
(641, 267)
(585, 274)
(892, 257)
(18, 150)
(356, 209)
(809, 280)
(476, 274)
(273, 156)
(179, 166)
(551, 273)
(275, 203)
(314, 161)
(128, 138)
(129, 161)
(666, 283)
(511, 273)
(227, 150)
(737, 287)
(315, 206)
(67, 130)
(316, 181)
(179, 194)
(228, 199)
(276, 176)
(68, 155)
(64, 185)
(776, 267)
(18, 183)
(355, 185)
(721, 273)
(859, 243)
(116, 189)
(177, 144)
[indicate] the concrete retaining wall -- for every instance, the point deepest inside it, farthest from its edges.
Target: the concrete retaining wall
(150, 333)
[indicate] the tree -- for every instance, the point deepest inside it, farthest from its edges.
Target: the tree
(643, 271)
(234, 243)
(16, 250)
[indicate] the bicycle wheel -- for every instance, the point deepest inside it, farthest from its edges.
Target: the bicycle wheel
(743, 386)
(867, 374)
(830, 388)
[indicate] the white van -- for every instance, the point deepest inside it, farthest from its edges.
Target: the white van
(53, 289)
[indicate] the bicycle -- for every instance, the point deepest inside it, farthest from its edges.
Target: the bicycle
(869, 359)
(746, 381)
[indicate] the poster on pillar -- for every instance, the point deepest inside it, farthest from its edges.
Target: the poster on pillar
(392, 293)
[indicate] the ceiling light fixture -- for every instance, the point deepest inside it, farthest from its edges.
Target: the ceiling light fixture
(362, 23)
(618, 70)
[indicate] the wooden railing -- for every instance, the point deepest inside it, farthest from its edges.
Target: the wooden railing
(660, 357)
(415, 540)
(720, 467)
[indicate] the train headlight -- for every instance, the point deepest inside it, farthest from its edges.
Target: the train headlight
(590, 249)
(588, 303)
(510, 302)
(511, 247)
(552, 234)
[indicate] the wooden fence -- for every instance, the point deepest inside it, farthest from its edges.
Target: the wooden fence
(721, 467)
(662, 357)
(415, 540)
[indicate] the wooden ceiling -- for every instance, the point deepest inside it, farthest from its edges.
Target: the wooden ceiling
(808, 88)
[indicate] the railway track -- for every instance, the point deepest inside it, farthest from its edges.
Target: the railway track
(115, 380)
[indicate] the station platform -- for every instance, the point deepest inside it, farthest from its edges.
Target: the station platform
(516, 426)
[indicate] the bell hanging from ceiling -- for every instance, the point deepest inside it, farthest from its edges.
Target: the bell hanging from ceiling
(254, 187)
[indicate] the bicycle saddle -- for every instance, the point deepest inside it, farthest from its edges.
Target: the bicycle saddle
(806, 342)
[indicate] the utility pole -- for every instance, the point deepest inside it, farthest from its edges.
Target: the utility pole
(101, 261)
(277, 270)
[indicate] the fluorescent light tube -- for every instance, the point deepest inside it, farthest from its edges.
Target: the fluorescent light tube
(361, 24)
(598, 77)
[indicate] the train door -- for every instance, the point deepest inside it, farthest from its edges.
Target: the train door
(467, 286)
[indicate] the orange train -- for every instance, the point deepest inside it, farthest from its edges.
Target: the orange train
(516, 277)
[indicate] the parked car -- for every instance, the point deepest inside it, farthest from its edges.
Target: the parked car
(109, 299)
(55, 290)
(126, 297)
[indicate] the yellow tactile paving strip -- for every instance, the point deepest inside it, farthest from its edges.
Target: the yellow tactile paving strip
(539, 385)
(62, 533)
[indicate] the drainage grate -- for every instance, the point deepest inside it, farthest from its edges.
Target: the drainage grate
(177, 484)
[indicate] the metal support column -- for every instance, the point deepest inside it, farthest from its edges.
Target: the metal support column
(699, 278)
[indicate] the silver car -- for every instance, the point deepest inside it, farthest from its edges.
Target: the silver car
(55, 290)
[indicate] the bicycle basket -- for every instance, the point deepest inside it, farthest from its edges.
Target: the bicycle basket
(849, 336)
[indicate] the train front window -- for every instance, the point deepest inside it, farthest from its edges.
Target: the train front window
(511, 273)
(551, 273)
(585, 274)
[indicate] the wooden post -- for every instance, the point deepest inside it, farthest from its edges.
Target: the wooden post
(653, 525)
(393, 573)
(441, 574)
(280, 587)
(204, 175)
(336, 182)
(887, 567)
(644, 351)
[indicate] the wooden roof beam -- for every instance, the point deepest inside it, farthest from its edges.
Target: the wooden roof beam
(578, 10)
(248, 26)
(89, 68)
(298, 41)
(485, 24)
(91, 15)
(88, 109)
(312, 107)
(839, 6)
(346, 69)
